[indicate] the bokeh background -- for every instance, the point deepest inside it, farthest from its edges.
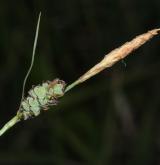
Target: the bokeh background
(112, 118)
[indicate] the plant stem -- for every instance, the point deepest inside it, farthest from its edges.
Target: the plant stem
(9, 124)
(108, 60)
(17, 118)
(69, 87)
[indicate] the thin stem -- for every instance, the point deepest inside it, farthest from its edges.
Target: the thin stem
(33, 55)
(69, 87)
(9, 124)
(17, 118)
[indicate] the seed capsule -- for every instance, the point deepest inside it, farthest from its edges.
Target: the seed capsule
(41, 97)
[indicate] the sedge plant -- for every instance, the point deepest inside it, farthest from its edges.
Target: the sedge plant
(47, 94)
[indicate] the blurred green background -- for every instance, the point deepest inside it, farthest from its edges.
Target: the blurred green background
(112, 118)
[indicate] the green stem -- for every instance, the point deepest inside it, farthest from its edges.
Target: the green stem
(69, 87)
(9, 124)
(17, 118)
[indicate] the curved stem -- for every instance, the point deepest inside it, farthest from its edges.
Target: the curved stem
(33, 56)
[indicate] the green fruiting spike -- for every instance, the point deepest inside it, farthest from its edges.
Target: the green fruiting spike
(50, 92)
(41, 97)
(43, 101)
(35, 110)
(25, 105)
(45, 85)
(40, 91)
(32, 93)
(58, 90)
(32, 102)
(34, 106)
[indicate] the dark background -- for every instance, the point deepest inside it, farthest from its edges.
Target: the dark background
(113, 118)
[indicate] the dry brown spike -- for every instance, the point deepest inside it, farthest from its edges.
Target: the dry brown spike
(116, 55)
